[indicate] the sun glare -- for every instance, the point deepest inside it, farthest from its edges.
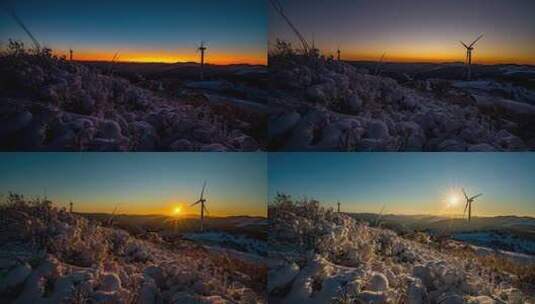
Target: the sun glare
(453, 200)
(177, 210)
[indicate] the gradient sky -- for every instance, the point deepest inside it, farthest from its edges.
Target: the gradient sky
(157, 30)
(413, 30)
(408, 183)
(141, 183)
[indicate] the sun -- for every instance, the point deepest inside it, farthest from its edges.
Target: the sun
(177, 210)
(453, 200)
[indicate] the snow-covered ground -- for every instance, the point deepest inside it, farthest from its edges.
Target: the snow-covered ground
(515, 257)
(52, 256)
(320, 256)
(328, 105)
(238, 242)
(56, 105)
(495, 240)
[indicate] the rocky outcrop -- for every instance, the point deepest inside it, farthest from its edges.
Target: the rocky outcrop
(321, 256)
(393, 117)
(50, 104)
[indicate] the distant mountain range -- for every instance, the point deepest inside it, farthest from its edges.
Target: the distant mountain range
(443, 224)
(253, 226)
(510, 233)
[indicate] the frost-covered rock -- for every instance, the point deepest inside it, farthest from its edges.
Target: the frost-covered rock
(52, 94)
(15, 277)
(449, 118)
(377, 282)
(110, 282)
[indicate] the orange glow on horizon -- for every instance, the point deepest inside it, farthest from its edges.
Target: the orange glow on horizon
(167, 208)
(165, 57)
(438, 58)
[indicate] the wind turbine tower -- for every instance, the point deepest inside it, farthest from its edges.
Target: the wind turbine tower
(70, 206)
(70, 54)
(202, 48)
(468, 62)
(338, 54)
(338, 206)
(202, 201)
(469, 201)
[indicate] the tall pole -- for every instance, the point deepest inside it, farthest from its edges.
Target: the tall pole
(469, 211)
(70, 57)
(202, 216)
(70, 207)
(469, 64)
(338, 57)
(202, 48)
(338, 207)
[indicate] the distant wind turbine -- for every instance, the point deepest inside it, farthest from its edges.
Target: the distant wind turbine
(468, 62)
(202, 48)
(469, 201)
(338, 206)
(202, 201)
(338, 53)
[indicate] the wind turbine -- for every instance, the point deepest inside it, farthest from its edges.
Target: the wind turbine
(468, 62)
(338, 54)
(202, 48)
(202, 201)
(468, 205)
(338, 206)
(70, 54)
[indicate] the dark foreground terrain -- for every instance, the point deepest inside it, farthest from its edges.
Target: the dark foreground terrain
(320, 104)
(50, 104)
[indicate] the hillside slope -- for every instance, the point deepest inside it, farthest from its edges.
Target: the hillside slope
(50, 104)
(321, 104)
(52, 256)
(320, 256)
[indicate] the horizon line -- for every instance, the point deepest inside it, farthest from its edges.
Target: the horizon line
(160, 214)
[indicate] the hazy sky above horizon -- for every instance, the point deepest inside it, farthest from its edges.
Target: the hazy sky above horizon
(409, 183)
(161, 30)
(413, 30)
(141, 183)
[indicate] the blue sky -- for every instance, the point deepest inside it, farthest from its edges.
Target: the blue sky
(158, 27)
(408, 183)
(142, 183)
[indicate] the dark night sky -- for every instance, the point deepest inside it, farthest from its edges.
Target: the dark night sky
(414, 30)
(159, 30)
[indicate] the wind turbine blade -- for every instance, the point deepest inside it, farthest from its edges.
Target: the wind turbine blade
(475, 196)
(195, 203)
(465, 207)
(475, 41)
(463, 44)
(465, 196)
(202, 191)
